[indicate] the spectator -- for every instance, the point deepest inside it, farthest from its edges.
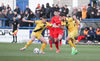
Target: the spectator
(79, 14)
(22, 14)
(47, 12)
(91, 34)
(26, 16)
(98, 34)
(37, 14)
(31, 17)
(84, 12)
(8, 6)
(74, 11)
(52, 10)
(42, 10)
(27, 9)
(66, 10)
(10, 17)
(92, 14)
(2, 7)
(89, 10)
(1, 15)
(38, 6)
(5, 13)
(17, 9)
(56, 7)
(62, 9)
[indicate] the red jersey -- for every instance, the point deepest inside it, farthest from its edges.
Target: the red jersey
(56, 20)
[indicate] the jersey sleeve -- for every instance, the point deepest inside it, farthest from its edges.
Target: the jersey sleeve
(38, 21)
(52, 20)
(48, 24)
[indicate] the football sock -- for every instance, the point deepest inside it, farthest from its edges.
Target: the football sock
(56, 44)
(43, 47)
(28, 44)
(70, 43)
(60, 43)
(74, 43)
(50, 43)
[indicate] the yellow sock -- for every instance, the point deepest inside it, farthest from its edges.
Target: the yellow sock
(28, 44)
(43, 47)
(70, 43)
(74, 43)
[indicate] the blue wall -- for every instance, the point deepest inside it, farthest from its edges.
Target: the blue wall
(22, 4)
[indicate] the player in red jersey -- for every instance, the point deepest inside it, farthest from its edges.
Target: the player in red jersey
(58, 32)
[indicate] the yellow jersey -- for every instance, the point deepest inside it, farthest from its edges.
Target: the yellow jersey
(71, 24)
(40, 26)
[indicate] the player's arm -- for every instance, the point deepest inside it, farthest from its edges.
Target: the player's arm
(75, 19)
(52, 25)
(29, 21)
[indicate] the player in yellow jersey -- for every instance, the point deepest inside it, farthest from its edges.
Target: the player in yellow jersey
(41, 25)
(72, 33)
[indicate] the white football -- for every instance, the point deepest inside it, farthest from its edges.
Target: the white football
(36, 50)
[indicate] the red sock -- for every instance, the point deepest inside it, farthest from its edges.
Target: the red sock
(56, 44)
(60, 43)
(50, 43)
(80, 38)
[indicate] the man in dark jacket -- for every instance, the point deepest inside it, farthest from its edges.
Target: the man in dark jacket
(17, 9)
(27, 9)
(91, 34)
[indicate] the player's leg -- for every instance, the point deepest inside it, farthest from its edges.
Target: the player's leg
(51, 40)
(50, 45)
(43, 44)
(29, 43)
(56, 42)
(70, 41)
(60, 38)
(74, 41)
(80, 37)
(60, 42)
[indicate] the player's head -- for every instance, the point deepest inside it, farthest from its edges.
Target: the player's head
(44, 19)
(62, 16)
(56, 13)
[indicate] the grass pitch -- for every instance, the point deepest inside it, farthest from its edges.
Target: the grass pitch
(11, 52)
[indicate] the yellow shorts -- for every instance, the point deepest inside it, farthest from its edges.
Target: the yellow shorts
(72, 34)
(37, 35)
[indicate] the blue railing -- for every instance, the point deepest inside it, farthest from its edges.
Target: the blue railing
(3, 20)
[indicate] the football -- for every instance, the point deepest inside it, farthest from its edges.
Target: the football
(36, 50)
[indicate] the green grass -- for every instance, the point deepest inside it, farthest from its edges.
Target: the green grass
(10, 52)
